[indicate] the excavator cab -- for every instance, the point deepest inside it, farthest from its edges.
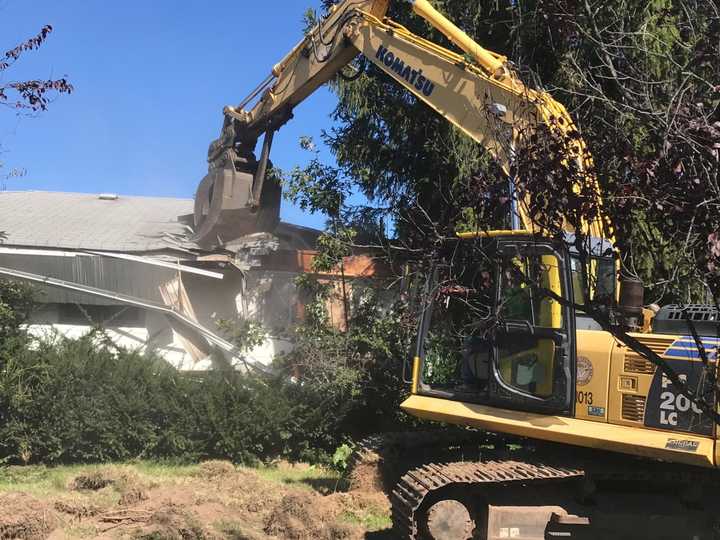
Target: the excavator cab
(493, 331)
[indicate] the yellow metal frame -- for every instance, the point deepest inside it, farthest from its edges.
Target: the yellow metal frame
(625, 439)
(494, 63)
(484, 75)
(415, 374)
(490, 63)
(491, 68)
(494, 233)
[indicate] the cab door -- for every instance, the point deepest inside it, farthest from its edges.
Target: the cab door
(533, 341)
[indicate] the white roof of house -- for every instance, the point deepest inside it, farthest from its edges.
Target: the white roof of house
(85, 221)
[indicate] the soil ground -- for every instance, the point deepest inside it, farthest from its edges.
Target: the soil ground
(207, 501)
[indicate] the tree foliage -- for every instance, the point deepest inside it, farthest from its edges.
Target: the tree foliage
(641, 81)
(16, 304)
(357, 369)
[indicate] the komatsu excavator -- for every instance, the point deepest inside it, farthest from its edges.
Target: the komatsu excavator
(610, 448)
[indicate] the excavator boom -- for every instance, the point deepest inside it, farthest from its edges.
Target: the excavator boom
(476, 92)
(237, 197)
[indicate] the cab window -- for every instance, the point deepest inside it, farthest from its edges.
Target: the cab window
(578, 281)
(527, 288)
(456, 354)
(601, 286)
(527, 360)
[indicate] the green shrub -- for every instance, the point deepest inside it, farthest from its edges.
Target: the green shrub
(64, 401)
(16, 303)
(341, 457)
(86, 400)
(350, 382)
(77, 401)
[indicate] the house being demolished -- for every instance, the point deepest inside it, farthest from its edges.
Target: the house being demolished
(130, 266)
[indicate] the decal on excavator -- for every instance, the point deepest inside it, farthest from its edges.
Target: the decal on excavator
(682, 445)
(669, 409)
(405, 71)
(685, 347)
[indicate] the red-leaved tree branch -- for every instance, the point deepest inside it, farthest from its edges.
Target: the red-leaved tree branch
(30, 95)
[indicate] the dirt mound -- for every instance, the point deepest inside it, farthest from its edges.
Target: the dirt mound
(241, 531)
(93, 481)
(169, 521)
(366, 475)
(24, 517)
(215, 468)
(253, 496)
(173, 523)
(103, 477)
(365, 501)
(77, 508)
(133, 494)
(124, 480)
(290, 519)
(304, 516)
(213, 501)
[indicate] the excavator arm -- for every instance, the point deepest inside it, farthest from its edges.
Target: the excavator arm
(236, 197)
(476, 92)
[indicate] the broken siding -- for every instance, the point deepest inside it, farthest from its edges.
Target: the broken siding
(124, 277)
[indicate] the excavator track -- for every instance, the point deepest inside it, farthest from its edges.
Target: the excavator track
(390, 455)
(461, 484)
(416, 486)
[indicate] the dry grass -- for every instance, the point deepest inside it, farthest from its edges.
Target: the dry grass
(212, 500)
(25, 517)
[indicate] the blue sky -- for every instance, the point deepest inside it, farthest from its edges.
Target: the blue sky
(151, 78)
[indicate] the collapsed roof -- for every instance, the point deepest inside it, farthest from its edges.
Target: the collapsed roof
(82, 221)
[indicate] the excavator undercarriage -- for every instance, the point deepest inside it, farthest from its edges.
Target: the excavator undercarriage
(462, 484)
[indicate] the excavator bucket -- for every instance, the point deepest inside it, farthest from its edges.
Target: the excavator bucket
(235, 200)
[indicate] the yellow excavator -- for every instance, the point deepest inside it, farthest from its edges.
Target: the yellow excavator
(610, 448)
